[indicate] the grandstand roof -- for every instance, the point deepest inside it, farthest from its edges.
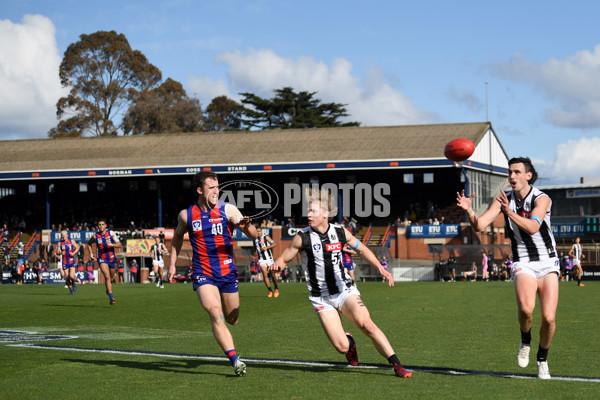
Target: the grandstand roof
(281, 150)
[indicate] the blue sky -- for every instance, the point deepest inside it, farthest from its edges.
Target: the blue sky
(391, 62)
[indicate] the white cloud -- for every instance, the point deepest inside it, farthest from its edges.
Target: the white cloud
(29, 64)
(576, 159)
(573, 82)
(372, 101)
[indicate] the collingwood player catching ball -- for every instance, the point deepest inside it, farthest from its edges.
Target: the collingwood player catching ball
(535, 267)
(331, 290)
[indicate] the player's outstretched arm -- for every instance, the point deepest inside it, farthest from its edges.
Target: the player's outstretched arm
(177, 242)
(368, 255)
(287, 255)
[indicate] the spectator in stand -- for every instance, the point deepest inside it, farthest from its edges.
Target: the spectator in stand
(564, 262)
(503, 274)
(190, 271)
(43, 267)
(14, 274)
(254, 269)
(435, 221)
(451, 265)
(80, 269)
(20, 250)
(442, 220)
(120, 271)
(495, 272)
(132, 228)
(352, 225)
(133, 270)
(384, 264)
(286, 274)
(472, 272)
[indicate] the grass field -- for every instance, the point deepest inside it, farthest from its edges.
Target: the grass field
(433, 327)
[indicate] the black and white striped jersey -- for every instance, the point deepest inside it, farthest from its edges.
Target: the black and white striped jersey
(157, 251)
(525, 247)
(260, 244)
(577, 251)
(322, 260)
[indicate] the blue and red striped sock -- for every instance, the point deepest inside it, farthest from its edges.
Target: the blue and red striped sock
(232, 356)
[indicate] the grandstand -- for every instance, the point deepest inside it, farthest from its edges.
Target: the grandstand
(71, 182)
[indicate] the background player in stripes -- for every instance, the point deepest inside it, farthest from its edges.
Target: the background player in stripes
(331, 290)
(210, 223)
(263, 250)
(68, 249)
(157, 251)
(576, 253)
(106, 242)
(535, 266)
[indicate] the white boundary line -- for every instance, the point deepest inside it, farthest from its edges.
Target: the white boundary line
(444, 371)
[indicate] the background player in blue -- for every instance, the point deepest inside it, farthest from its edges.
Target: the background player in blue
(210, 223)
(68, 249)
(535, 267)
(106, 242)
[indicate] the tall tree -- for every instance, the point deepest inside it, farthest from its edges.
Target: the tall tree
(166, 108)
(103, 74)
(223, 114)
(291, 110)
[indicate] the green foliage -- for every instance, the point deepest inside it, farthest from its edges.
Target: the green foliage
(223, 114)
(103, 74)
(291, 110)
(461, 325)
(166, 108)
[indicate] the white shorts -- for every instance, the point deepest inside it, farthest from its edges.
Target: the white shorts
(537, 269)
(268, 263)
(333, 302)
(576, 261)
(159, 264)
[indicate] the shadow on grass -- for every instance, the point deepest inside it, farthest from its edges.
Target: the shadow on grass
(188, 366)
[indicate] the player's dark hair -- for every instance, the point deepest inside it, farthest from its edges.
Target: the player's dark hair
(526, 161)
(200, 177)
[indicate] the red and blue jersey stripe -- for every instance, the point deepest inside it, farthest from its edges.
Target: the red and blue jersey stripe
(210, 237)
(65, 248)
(106, 251)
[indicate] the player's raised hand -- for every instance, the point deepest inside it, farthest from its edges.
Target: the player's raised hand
(463, 201)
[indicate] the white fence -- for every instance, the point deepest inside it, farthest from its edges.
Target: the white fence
(412, 274)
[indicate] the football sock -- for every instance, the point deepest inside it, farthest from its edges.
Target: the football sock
(110, 295)
(231, 354)
(393, 359)
(542, 354)
(350, 341)
(526, 337)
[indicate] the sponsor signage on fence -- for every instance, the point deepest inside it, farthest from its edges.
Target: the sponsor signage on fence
(432, 231)
(289, 233)
(568, 230)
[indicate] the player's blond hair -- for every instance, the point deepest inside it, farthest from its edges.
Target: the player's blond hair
(324, 197)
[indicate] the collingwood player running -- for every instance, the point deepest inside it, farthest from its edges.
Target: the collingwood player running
(263, 246)
(158, 250)
(330, 289)
(535, 267)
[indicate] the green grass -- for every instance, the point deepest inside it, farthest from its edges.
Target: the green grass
(459, 325)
